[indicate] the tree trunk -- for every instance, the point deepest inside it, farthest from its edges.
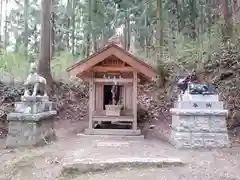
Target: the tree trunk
(67, 33)
(53, 29)
(193, 16)
(227, 29)
(201, 24)
(235, 10)
(146, 22)
(178, 14)
(88, 45)
(44, 67)
(26, 6)
(236, 13)
(158, 15)
(68, 24)
(6, 27)
(125, 32)
(159, 26)
(209, 13)
(181, 14)
(35, 39)
(73, 26)
(1, 11)
(128, 31)
(209, 25)
(94, 40)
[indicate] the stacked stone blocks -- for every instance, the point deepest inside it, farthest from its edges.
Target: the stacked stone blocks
(31, 123)
(199, 122)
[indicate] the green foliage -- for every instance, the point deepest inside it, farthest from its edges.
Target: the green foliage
(190, 32)
(59, 65)
(190, 54)
(14, 67)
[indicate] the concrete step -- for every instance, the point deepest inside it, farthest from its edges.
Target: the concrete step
(90, 165)
(115, 132)
(111, 137)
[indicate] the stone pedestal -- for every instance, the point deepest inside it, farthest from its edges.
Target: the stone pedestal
(199, 122)
(31, 123)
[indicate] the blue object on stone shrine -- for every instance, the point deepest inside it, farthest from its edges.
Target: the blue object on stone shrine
(201, 89)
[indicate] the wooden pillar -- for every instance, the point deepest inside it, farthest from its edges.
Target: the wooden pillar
(135, 81)
(91, 100)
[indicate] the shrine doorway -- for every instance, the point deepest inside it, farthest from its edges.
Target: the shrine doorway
(107, 94)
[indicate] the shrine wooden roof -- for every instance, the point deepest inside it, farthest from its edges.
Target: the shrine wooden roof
(108, 51)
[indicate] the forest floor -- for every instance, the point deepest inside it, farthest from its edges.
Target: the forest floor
(47, 162)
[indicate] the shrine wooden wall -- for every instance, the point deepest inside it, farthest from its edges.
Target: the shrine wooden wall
(99, 96)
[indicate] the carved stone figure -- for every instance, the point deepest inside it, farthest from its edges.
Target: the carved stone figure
(193, 85)
(35, 81)
(183, 84)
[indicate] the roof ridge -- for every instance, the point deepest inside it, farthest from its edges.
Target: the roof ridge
(134, 58)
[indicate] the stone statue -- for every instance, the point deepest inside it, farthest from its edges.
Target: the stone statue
(183, 84)
(188, 84)
(36, 81)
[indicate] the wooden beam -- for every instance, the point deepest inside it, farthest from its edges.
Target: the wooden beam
(135, 81)
(91, 101)
(112, 69)
(122, 132)
(90, 62)
(128, 80)
(113, 119)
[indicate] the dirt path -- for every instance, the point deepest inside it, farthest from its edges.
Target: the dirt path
(47, 162)
(203, 165)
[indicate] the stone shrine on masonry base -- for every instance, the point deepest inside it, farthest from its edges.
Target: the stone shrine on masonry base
(32, 123)
(199, 121)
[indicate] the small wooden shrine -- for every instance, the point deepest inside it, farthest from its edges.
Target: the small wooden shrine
(113, 76)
